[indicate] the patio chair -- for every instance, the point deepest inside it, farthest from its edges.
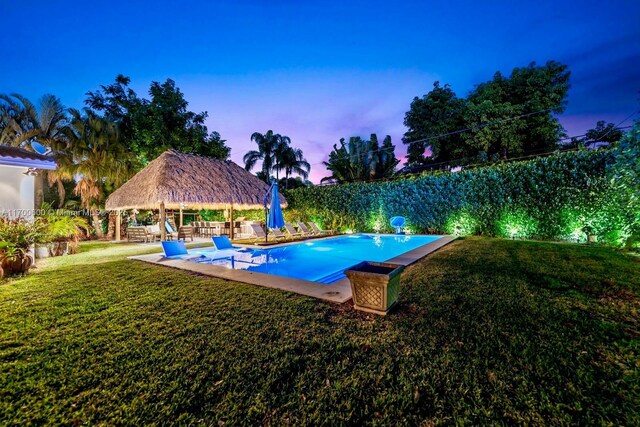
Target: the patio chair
(291, 231)
(140, 234)
(315, 228)
(185, 232)
(304, 230)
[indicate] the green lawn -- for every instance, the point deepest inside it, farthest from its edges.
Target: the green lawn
(488, 331)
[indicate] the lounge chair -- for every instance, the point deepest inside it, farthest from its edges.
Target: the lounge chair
(178, 250)
(317, 230)
(277, 233)
(172, 234)
(223, 242)
(258, 231)
(292, 231)
(304, 230)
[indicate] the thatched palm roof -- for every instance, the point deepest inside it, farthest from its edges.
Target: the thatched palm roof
(198, 182)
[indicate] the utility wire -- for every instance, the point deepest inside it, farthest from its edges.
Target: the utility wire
(456, 132)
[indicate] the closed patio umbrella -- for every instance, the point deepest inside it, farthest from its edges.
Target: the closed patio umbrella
(276, 220)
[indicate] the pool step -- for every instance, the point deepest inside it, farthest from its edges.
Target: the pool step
(330, 278)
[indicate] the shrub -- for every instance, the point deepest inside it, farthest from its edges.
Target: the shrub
(555, 197)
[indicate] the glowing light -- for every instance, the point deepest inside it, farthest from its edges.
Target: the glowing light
(461, 224)
(349, 231)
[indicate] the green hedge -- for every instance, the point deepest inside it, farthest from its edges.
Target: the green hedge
(565, 196)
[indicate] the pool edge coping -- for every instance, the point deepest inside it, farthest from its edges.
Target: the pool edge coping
(337, 292)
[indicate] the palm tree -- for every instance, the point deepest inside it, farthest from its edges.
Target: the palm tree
(361, 160)
(270, 150)
(292, 161)
(22, 123)
(100, 161)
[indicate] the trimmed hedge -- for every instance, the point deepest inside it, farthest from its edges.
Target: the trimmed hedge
(565, 196)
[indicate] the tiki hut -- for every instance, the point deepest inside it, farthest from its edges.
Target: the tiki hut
(175, 180)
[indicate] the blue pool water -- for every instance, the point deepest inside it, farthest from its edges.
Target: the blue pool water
(322, 261)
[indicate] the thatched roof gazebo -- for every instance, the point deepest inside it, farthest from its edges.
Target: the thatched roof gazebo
(175, 180)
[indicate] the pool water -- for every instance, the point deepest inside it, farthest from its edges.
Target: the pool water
(322, 261)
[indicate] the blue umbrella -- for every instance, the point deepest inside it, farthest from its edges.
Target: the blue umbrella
(276, 220)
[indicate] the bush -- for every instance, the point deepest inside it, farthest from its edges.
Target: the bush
(564, 196)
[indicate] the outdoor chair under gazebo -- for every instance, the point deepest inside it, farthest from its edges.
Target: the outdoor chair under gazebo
(177, 181)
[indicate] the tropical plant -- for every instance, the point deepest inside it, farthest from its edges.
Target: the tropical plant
(361, 160)
(271, 148)
(16, 238)
(23, 123)
(100, 161)
(291, 160)
(61, 229)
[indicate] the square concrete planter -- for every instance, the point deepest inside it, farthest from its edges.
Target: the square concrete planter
(374, 285)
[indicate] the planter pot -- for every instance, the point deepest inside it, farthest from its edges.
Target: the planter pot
(592, 238)
(42, 251)
(374, 286)
(58, 248)
(21, 264)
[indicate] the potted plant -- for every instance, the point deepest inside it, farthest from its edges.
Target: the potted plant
(375, 286)
(63, 233)
(16, 239)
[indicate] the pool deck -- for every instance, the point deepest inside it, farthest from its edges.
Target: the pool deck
(338, 291)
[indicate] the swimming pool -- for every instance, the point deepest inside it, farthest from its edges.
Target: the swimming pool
(321, 261)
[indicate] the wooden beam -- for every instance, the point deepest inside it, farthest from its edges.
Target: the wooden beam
(231, 224)
(163, 220)
(181, 217)
(118, 220)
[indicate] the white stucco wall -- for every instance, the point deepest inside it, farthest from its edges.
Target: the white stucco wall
(16, 192)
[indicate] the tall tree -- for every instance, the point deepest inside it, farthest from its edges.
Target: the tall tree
(361, 160)
(439, 112)
(150, 126)
(23, 123)
(271, 149)
(603, 132)
(291, 160)
(100, 161)
(503, 116)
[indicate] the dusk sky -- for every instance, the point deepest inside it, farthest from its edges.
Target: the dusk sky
(319, 71)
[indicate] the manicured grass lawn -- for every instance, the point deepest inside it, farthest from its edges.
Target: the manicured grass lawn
(488, 331)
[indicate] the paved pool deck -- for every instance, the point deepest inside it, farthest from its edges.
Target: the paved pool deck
(338, 291)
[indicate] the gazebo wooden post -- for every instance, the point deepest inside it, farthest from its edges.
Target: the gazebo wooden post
(181, 217)
(163, 220)
(118, 220)
(231, 225)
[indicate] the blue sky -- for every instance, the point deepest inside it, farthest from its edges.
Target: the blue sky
(319, 71)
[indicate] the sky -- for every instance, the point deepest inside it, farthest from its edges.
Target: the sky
(319, 71)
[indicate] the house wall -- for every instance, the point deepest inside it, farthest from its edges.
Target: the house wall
(16, 192)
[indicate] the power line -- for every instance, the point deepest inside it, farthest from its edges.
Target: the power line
(456, 132)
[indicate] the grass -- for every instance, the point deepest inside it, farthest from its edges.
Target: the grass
(487, 331)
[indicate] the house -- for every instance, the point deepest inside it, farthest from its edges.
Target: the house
(18, 169)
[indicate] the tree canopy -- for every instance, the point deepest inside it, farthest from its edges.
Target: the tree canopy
(151, 126)
(502, 117)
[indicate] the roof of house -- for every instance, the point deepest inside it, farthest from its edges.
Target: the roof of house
(14, 156)
(178, 179)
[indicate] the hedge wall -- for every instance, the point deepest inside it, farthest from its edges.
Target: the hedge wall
(565, 196)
